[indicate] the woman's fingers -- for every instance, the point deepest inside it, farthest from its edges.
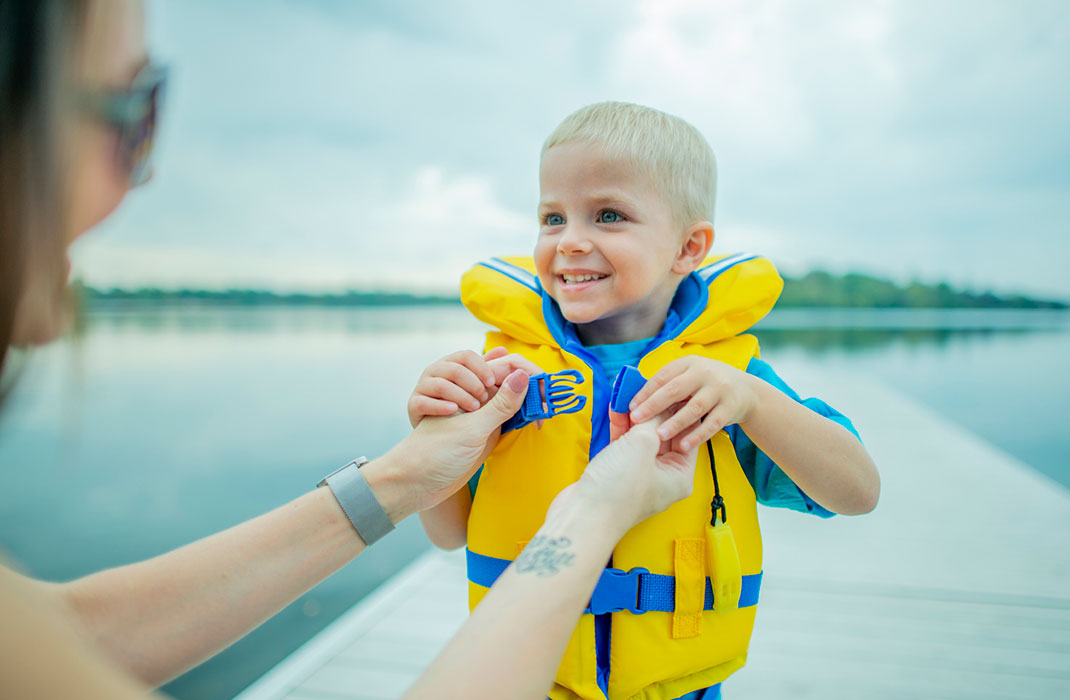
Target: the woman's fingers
(618, 424)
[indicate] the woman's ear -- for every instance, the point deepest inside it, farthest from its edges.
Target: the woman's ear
(697, 243)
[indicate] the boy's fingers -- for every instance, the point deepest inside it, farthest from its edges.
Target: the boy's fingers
(425, 406)
(713, 423)
(444, 389)
(660, 379)
(671, 428)
(465, 378)
(495, 353)
(502, 367)
(475, 364)
(689, 414)
(670, 392)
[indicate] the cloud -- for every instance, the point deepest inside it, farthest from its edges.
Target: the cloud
(420, 235)
(333, 143)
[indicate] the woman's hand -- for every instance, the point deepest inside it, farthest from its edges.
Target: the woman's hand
(442, 453)
(708, 394)
(635, 477)
(530, 612)
(463, 381)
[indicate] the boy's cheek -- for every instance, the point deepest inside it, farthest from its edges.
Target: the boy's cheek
(542, 270)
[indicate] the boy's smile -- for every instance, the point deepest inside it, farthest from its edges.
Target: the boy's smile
(608, 244)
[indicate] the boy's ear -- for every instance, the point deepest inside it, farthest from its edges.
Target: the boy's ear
(696, 245)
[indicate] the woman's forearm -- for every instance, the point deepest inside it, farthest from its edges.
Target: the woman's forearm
(822, 457)
(514, 641)
(160, 617)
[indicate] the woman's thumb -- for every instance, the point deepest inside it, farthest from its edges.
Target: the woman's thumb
(506, 402)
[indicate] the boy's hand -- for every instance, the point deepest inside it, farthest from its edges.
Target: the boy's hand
(463, 380)
(707, 394)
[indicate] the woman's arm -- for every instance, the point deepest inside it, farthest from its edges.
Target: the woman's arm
(512, 644)
(160, 617)
(42, 657)
(446, 524)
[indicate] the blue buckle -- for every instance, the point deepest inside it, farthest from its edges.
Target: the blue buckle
(556, 390)
(617, 591)
(626, 385)
(559, 388)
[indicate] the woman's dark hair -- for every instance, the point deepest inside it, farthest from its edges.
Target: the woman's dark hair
(37, 40)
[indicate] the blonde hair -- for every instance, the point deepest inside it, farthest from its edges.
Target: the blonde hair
(671, 151)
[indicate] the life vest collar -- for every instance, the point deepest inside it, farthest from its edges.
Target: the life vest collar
(723, 298)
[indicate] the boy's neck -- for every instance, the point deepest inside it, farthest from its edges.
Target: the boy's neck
(615, 330)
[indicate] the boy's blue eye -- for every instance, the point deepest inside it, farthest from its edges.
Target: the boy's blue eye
(554, 220)
(609, 217)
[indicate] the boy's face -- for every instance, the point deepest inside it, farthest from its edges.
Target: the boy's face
(607, 244)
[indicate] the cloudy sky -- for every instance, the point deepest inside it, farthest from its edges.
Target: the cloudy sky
(333, 144)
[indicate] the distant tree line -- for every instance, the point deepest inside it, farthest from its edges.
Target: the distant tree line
(820, 288)
(259, 297)
(816, 289)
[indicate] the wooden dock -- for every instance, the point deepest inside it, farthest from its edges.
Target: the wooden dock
(955, 587)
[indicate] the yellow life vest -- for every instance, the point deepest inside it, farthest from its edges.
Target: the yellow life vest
(670, 650)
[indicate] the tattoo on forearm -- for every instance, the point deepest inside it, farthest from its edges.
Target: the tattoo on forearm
(545, 556)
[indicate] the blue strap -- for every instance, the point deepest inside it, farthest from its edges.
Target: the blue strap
(637, 591)
(555, 391)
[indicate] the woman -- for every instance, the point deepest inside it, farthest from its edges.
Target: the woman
(78, 101)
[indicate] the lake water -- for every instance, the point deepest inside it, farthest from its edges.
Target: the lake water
(159, 427)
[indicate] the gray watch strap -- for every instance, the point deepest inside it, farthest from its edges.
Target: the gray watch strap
(363, 509)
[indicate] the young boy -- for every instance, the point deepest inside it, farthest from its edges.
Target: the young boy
(620, 277)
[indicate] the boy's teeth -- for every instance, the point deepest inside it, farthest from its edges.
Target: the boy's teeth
(576, 279)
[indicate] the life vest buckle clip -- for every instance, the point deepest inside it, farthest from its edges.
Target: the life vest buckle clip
(559, 388)
(617, 591)
(549, 394)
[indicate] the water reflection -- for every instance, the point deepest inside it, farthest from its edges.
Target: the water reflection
(367, 321)
(190, 419)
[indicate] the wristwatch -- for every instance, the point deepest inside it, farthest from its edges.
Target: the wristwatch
(358, 502)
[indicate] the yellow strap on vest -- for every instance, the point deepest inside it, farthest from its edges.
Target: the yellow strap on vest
(690, 570)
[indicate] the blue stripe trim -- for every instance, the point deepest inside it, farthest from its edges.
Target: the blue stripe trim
(656, 592)
(517, 274)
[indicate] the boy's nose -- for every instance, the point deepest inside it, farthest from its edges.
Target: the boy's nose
(573, 242)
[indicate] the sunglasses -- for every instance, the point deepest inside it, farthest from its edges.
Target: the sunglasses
(133, 113)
